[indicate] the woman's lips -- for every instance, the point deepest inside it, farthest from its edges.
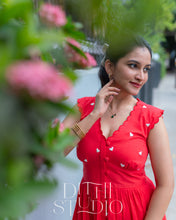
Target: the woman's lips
(137, 85)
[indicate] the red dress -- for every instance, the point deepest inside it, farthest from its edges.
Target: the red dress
(114, 185)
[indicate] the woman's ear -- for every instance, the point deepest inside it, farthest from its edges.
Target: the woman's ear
(109, 67)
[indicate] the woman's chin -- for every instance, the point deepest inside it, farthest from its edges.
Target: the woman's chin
(127, 91)
(134, 93)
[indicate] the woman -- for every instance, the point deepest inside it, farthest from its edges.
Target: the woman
(115, 132)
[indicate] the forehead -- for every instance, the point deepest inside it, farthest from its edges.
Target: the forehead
(140, 54)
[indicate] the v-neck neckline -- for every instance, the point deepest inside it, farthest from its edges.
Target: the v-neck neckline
(122, 125)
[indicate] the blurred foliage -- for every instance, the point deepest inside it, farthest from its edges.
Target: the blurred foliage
(115, 21)
(30, 144)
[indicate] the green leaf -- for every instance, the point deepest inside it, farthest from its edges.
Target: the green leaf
(19, 199)
(49, 38)
(51, 134)
(79, 51)
(63, 140)
(71, 74)
(70, 29)
(47, 57)
(12, 9)
(5, 60)
(18, 170)
(67, 162)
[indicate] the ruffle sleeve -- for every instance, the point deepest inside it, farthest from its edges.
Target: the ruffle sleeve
(155, 114)
(85, 105)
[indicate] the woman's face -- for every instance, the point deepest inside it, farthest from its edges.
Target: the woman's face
(130, 73)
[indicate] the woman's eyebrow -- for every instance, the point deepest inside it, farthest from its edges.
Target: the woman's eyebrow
(135, 61)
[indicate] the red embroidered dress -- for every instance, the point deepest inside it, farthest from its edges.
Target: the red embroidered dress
(114, 184)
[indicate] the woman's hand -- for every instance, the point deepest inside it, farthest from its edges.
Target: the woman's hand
(104, 98)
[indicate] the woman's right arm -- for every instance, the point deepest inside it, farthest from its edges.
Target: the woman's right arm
(102, 101)
(84, 124)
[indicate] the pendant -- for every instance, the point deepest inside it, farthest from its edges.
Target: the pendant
(112, 116)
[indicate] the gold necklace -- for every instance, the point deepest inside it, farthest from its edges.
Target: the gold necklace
(113, 115)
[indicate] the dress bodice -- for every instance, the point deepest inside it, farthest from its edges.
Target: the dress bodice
(114, 184)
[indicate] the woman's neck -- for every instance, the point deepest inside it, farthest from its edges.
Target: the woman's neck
(122, 101)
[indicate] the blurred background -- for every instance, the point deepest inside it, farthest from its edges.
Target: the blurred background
(156, 21)
(33, 170)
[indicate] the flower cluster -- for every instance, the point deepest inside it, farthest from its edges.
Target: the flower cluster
(52, 15)
(39, 79)
(74, 57)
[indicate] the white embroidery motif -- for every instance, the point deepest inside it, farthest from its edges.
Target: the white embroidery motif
(111, 149)
(98, 150)
(122, 165)
(85, 160)
(131, 134)
(144, 106)
(148, 125)
(140, 153)
(92, 103)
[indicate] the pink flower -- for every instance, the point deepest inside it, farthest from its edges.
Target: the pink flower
(61, 128)
(89, 62)
(74, 57)
(55, 122)
(52, 15)
(39, 79)
(39, 160)
(70, 52)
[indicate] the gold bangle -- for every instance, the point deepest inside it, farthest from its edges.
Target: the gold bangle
(77, 130)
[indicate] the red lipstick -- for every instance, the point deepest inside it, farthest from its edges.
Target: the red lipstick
(137, 85)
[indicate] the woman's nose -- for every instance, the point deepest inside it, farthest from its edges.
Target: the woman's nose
(140, 75)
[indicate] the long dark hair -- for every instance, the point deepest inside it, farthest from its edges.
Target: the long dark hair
(113, 55)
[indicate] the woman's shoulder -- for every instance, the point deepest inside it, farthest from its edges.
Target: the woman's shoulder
(86, 100)
(150, 113)
(150, 108)
(85, 105)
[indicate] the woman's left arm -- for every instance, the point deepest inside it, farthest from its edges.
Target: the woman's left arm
(161, 160)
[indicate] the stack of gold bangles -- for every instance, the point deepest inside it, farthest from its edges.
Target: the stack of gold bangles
(77, 130)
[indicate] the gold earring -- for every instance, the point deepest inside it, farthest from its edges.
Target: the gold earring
(110, 77)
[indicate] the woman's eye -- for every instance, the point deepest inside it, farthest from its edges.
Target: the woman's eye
(132, 65)
(147, 69)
